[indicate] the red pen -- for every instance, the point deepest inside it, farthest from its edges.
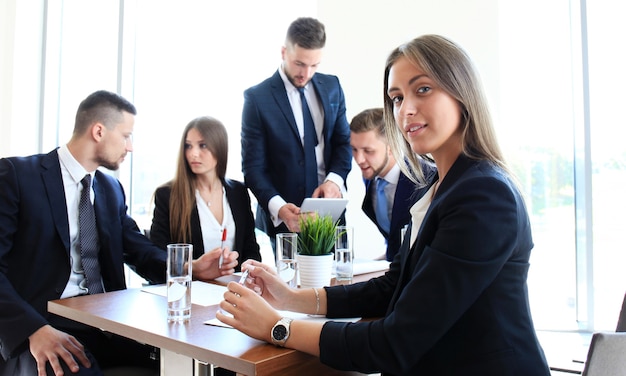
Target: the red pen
(221, 261)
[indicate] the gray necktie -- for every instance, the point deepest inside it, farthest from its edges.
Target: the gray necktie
(88, 239)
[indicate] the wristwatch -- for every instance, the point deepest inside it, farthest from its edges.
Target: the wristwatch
(280, 331)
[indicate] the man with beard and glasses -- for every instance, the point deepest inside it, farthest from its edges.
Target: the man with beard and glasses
(381, 173)
(295, 140)
(64, 232)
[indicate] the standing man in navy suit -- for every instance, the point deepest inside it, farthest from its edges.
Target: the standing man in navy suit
(43, 247)
(371, 152)
(295, 147)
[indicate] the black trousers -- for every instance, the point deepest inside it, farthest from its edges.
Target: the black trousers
(104, 350)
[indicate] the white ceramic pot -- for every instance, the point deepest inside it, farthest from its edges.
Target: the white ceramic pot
(315, 271)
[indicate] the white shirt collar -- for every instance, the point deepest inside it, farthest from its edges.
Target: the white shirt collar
(73, 167)
(393, 175)
(288, 85)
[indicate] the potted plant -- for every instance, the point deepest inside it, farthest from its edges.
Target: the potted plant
(316, 242)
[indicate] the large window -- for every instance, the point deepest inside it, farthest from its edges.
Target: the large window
(556, 99)
(607, 135)
(536, 128)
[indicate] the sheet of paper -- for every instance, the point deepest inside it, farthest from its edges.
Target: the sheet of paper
(293, 315)
(227, 278)
(202, 293)
(363, 266)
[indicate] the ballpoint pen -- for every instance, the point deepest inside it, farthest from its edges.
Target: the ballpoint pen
(221, 261)
(244, 275)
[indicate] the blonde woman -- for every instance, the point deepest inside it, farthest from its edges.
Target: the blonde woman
(454, 302)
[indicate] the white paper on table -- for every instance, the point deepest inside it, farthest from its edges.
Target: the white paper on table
(363, 266)
(228, 278)
(293, 315)
(202, 293)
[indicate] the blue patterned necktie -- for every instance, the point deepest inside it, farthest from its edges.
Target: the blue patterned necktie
(88, 239)
(382, 210)
(310, 142)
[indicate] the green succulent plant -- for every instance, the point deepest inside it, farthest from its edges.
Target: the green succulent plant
(317, 235)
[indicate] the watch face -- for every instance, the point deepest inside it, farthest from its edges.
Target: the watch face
(279, 332)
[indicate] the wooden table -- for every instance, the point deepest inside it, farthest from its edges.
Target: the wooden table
(142, 316)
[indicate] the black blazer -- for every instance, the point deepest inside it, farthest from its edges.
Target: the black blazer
(272, 153)
(456, 302)
(407, 194)
(239, 201)
(35, 243)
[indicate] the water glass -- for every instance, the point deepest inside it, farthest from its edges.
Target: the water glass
(179, 257)
(344, 254)
(286, 251)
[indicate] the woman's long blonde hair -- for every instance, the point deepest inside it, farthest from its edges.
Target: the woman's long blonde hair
(452, 69)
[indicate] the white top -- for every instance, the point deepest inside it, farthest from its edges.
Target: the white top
(211, 228)
(418, 212)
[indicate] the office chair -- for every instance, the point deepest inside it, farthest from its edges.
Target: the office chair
(573, 367)
(607, 355)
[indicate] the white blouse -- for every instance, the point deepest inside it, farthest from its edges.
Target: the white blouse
(211, 228)
(418, 212)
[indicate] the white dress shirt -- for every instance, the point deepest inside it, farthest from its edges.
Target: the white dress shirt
(72, 173)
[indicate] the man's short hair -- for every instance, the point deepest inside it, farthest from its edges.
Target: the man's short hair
(369, 120)
(307, 33)
(104, 107)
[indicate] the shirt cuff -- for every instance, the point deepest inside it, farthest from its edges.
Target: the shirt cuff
(335, 178)
(274, 205)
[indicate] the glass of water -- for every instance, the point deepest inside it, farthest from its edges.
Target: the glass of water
(179, 258)
(286, 251)
(344, 254)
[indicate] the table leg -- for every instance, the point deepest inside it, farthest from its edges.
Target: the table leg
(173, 364)
(202, 369)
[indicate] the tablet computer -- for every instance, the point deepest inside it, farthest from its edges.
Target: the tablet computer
(325, 206)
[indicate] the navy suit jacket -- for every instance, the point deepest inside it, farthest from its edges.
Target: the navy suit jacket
(35, 243)
(456, 302)
(271, 148)
(407, 194)
(239, 201)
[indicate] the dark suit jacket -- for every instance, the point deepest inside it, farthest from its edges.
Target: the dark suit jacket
(272, 153)
(239, 201)
(456, 302)
(407, 194)
(35, 243)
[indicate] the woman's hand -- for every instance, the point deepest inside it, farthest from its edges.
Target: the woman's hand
(246, 311)
(206, 266)
(264, 281)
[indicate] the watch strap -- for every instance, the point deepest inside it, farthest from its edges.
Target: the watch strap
(280, 331)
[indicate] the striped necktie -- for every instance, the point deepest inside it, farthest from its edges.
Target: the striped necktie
(88, 239)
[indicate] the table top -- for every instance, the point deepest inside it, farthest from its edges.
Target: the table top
(142, 316)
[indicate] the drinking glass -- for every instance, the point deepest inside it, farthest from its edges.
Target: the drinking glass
(286, 251)
(344, 254)
(179, 258)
